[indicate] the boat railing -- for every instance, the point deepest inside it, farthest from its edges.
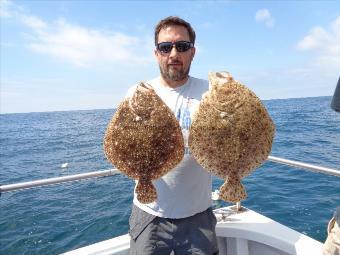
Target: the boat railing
(306, 166)
(110, 172)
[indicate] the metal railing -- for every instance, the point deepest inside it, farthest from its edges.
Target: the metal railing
(105, 173)
(310, 167)
(57, 180)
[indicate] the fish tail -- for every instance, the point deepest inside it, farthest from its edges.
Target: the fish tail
(232, 190)
(146, 191)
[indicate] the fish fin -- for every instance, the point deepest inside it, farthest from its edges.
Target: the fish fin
(232, 190)
(146, 192)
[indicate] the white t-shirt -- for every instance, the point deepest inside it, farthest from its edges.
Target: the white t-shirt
(186, 189)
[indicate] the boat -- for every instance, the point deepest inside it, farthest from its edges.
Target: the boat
(240, 230)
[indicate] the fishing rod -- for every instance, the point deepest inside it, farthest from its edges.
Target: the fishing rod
(111, 172)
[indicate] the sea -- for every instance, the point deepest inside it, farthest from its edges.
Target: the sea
(59, 218)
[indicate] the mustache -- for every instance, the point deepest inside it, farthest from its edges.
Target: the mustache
(175, 62)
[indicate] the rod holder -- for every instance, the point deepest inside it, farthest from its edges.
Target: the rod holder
(238, 206)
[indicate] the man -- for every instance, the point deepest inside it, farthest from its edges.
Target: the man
(181, 220)
(332, 243)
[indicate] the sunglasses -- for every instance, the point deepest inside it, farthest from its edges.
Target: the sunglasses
(181, 46)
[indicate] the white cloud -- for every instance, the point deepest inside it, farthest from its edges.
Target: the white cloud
(84, 47)
(33, 22)
(325, 43)
(5, 6)
(78, 45)
(264, 16)
(315, 39)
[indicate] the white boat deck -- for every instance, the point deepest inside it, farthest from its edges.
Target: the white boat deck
(249, 232)
(242, 233)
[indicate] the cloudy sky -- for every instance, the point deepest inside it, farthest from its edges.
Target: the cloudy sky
(72, 55)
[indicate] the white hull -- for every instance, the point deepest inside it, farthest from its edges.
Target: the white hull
(242, 233)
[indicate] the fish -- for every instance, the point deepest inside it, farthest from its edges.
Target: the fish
(144, 140)
(231, 133)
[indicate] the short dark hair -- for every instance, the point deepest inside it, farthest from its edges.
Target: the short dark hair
(174, 21)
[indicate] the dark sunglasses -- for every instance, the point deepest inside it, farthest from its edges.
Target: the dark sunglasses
(181, 46)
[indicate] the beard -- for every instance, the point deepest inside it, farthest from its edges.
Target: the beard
(174, 74)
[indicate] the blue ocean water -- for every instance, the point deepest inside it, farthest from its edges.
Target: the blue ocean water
(59, 218)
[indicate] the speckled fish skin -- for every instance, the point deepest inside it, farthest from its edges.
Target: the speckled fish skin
(144, 140)
(231, 133)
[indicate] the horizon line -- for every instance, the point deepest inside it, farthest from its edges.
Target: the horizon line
(51, 111)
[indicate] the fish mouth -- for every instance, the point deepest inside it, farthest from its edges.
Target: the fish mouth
(219, 78)
(145, 87)
(139, 103)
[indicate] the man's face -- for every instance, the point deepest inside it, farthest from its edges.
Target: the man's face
(174, 66)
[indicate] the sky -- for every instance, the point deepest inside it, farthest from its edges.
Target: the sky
(81, 55)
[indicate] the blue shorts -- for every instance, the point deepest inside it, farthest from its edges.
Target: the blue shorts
(162, 236)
